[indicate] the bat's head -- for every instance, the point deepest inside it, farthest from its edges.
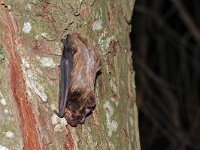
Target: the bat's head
(78, 108)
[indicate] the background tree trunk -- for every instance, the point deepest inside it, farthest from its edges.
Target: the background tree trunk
(30, 33)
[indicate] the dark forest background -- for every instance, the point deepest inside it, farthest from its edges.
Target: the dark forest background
(166, 53)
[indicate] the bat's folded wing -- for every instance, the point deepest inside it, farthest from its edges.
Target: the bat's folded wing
(65, 77)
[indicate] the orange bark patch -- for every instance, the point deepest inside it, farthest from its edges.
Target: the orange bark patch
(85, 12)
(69, 145)
(10, 40)
(40, 46)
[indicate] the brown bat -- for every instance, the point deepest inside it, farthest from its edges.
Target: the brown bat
(78, 67)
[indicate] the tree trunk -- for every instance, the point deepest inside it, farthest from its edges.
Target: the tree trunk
(30, 49)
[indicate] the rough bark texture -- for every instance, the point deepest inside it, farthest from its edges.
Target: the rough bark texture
(30, 33)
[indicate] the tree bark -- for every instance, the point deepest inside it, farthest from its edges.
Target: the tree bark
(30, 49)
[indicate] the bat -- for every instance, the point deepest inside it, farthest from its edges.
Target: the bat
(78, 68)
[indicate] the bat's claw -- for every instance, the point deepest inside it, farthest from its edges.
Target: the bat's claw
(58, 114)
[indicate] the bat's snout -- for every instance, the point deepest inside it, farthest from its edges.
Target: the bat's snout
(75, 119)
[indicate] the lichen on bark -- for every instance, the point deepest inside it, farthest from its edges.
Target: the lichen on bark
(33, 40)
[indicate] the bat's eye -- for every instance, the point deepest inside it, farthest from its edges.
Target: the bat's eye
(71, 106)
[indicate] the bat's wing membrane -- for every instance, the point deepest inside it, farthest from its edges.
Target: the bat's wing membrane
(65, 77)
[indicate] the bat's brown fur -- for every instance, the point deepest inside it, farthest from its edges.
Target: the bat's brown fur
(86, 64)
